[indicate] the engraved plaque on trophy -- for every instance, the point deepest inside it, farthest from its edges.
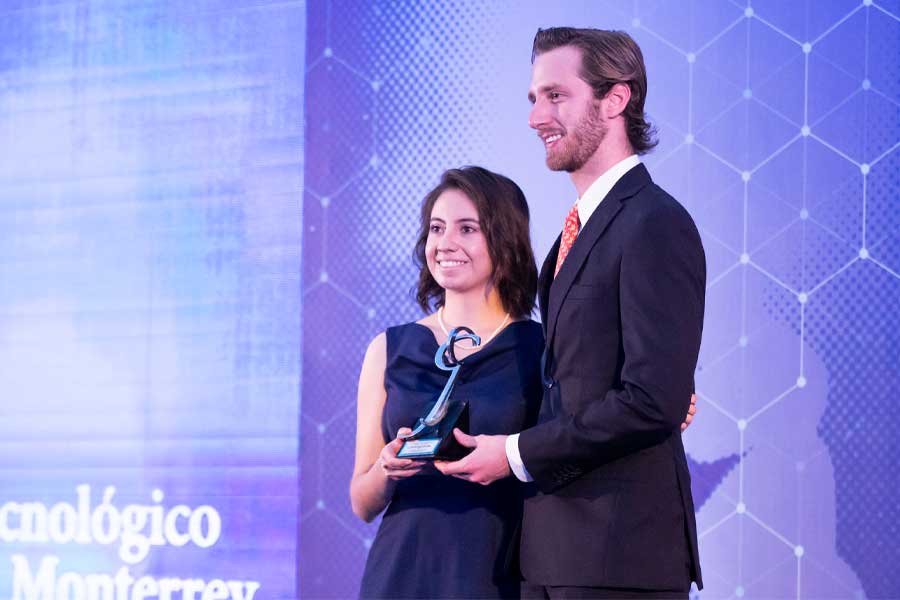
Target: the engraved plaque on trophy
(432, 437)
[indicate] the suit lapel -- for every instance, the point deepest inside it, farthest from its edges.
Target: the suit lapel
(546, 280)
(630, 183)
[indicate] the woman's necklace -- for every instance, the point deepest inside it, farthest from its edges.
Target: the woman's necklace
(484, 341)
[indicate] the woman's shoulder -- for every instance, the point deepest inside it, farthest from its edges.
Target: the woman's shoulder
(376, 351)
(530, 327)
(388, 343)
(414, 328)
(427, 324)
(409, 340)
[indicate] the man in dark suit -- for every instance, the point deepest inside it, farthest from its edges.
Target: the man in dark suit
(621, 297)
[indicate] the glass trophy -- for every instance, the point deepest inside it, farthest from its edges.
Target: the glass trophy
(432, 437)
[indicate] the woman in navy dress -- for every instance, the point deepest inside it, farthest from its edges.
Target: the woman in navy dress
(442, 537)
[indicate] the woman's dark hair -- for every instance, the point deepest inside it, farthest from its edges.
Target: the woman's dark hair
(503, 215)
(607, 58)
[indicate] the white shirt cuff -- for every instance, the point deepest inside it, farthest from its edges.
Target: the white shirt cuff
(515, 460)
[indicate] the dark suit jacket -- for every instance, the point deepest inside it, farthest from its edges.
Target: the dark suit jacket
(622, 322)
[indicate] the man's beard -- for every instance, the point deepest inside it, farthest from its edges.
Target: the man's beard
(581, 143)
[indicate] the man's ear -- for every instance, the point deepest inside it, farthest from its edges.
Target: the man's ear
(616, 100)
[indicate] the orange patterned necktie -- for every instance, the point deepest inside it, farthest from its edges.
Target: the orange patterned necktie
(569, 233)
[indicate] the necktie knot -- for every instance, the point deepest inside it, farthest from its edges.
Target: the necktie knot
(569, 233)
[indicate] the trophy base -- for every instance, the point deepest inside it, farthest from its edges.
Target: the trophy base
(438, 442)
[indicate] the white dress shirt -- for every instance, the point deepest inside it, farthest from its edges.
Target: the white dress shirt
(587, 204)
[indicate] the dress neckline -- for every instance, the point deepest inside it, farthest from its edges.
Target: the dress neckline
(426, 329)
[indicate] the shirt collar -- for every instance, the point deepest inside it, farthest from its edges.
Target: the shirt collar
(595, 194)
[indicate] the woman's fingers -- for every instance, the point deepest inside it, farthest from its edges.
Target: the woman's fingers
(403, 469)
(396, 464)
(692, 410)
(399, 468)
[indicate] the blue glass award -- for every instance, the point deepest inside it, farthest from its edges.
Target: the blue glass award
(432, 437)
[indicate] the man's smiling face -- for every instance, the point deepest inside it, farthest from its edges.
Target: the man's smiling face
(565, 113)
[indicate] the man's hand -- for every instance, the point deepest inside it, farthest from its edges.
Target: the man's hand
(487, 462)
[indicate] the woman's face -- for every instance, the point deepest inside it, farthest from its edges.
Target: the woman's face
(456, 250)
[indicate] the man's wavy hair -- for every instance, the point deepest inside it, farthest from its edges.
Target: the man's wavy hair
(607, 58)
(504, 220)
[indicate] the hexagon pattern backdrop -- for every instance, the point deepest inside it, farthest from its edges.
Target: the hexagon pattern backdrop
(779, 126)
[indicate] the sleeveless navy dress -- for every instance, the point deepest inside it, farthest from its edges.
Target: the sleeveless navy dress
(442, 537)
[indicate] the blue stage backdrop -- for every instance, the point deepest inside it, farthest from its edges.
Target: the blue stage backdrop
(156, 269)
(150, 233)
(779, 131)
